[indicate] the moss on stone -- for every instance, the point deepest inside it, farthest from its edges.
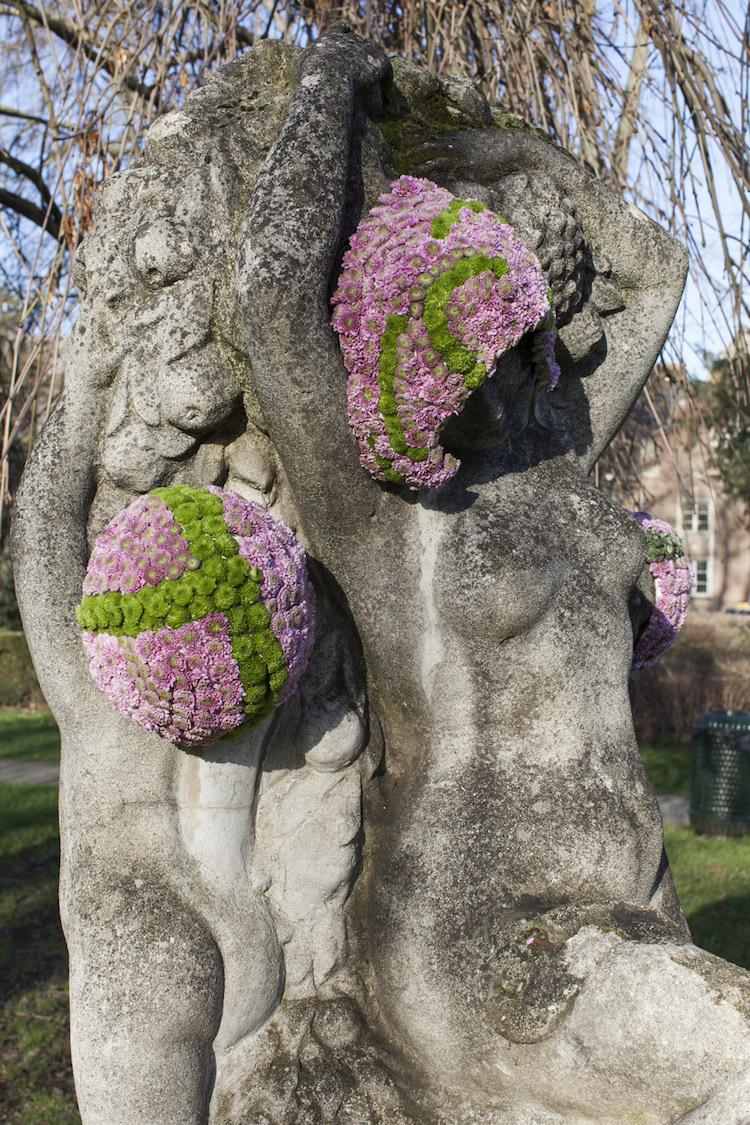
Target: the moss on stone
(419, 114)
(502, 119)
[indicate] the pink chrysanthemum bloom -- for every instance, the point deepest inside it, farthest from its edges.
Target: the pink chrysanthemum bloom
(673, 578)
(197, 612)
(433, 290)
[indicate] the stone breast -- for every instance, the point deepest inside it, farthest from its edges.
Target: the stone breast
(528, 541)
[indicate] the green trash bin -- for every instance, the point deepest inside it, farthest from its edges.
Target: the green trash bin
(720, 794)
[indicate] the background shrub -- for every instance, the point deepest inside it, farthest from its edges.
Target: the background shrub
(708, 666)
(18, 682)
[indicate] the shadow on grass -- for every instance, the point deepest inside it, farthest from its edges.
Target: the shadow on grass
(36, 1080)
(722, 928)
(18, 684)
(31, 940)
(712, 879)
(29, 736)
(669, 764)
(32, 946)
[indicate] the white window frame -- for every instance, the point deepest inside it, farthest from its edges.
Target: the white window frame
(696, 512)
(705, 563)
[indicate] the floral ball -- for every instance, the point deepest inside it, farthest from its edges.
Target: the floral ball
(433, 289)
(673, 578)
(197, 613)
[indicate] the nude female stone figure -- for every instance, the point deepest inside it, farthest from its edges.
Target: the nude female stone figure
(494, 618)
(513, 943)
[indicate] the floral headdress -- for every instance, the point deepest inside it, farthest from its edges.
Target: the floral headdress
(432, 291)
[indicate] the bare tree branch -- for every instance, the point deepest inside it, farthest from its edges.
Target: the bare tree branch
(651, 95)
(49, 219)
(9, 111)
(74, 36)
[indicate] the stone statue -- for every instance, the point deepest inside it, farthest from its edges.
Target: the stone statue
(431, 887)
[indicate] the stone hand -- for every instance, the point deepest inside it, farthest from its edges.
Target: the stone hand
(340, 53)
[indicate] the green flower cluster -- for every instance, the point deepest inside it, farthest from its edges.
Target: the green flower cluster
(442, 223)
(395, 325)
(660, 545)
(456, 356)
(216, 579)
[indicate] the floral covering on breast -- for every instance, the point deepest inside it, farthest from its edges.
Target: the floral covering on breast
(673, 578)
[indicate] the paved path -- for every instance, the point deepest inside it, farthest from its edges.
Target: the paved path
(673, 809)
(44, 773)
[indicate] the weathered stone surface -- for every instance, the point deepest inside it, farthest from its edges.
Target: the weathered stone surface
(431, 887)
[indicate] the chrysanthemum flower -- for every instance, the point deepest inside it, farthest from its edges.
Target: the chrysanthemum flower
(432, 291)
(214, 631)
(673, 578)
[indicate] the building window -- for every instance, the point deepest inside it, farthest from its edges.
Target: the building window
(696, 515)
(701, 585)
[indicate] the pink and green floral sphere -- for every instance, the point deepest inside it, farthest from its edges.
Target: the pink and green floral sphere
(433, 290)
(197, 613)
(673, 578)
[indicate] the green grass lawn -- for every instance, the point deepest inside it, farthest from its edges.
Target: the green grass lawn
(36, 1081)
(669, 765)
(29, 736)
(711, 873)
(712, 876)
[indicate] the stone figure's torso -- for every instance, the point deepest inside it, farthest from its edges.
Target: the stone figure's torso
(491, 936)
(517, 787)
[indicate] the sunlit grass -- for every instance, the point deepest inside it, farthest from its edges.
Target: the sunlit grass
(712, 878)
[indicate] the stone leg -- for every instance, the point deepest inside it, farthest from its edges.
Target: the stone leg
(146, 975)
(654, 1032)
(145, 994)
(216, 794)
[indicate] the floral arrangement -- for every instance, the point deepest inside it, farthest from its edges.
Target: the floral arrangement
(433, 289)
(673, 578)
(197, 613)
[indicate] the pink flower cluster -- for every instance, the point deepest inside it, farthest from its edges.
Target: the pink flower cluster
(139, 547)
(436, 276)
(181, 683)
(285, 589)
(673, 578)
(426, 394)
(212, 623)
